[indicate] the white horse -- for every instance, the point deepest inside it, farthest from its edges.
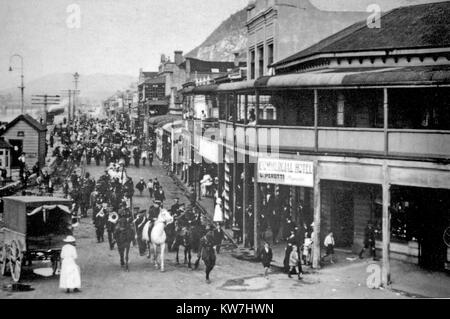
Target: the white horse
(157, 237)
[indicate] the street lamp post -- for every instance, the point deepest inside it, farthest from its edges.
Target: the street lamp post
(21, 87)
(76, 76)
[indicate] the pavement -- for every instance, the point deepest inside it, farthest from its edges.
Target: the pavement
(234, 278)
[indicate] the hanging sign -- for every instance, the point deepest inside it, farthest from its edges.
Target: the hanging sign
(286, 172)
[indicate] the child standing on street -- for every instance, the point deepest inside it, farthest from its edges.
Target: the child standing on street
(329, 245)
(294, 262)
(266, 258)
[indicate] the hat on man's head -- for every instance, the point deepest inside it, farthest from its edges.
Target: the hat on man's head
(158, 202)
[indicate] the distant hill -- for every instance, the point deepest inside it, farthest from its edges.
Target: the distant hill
(93, 87)
(229, 37)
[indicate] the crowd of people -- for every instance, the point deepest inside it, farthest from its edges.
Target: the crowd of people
(109, 198)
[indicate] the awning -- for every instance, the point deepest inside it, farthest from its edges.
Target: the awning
(235, 86)
(177, 125)
(160, 120)
(205, 89)
(423, 75)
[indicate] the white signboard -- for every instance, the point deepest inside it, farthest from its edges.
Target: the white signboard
(286, 172)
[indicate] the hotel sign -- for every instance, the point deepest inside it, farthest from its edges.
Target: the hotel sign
(286, 172)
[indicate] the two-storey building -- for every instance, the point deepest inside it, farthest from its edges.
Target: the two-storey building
(362, 134)
(277, 29)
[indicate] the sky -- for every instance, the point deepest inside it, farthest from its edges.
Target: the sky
(116, 36)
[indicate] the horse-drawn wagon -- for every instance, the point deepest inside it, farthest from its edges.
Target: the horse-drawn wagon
(34, 229)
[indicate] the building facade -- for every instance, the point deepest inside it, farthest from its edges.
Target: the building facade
(362, 134)
(26, 135)
(278, 28)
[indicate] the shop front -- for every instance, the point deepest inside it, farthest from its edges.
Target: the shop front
(284, 192)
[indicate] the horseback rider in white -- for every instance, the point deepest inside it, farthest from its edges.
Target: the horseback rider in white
(157, 236)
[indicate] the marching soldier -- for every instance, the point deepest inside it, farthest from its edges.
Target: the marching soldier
(113, 217)
(99, 223)
(140, 222)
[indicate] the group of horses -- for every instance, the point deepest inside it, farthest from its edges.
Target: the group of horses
(165, 232)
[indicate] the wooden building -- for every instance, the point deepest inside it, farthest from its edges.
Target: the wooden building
(26, 135)
(5, 156)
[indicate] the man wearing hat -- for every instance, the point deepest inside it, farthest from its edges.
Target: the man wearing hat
(207, 252)
(140, 222)
(99, 223)
(153, 212)
(140, 186)
(113, 217)
(174, 208)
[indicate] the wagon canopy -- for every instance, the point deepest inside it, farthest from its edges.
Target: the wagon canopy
(17, 208)
(49, 220)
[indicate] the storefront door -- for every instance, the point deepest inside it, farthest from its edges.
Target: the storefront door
(342, 217)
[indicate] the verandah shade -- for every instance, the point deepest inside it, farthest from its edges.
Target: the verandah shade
(422, 75)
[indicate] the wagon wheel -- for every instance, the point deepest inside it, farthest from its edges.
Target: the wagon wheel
(15, 261)
(3, 260)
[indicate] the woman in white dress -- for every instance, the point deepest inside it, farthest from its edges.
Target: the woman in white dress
(218, 211)
(70, 277)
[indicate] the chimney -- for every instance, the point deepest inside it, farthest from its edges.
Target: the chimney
(178, 57)
(236, 59)
(163, 58)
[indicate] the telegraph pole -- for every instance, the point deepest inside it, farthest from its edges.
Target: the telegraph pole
(21, 87)
(45, 100)
(71, 95)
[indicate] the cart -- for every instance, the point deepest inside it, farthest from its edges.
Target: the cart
(34, 229)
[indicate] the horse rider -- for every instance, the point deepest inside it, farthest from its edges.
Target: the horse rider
(153, 212)
(207, 252)
(140, 222)
(111, 223)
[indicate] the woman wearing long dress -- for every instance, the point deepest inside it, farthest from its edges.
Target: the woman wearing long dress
(70, 277)
(218, 212)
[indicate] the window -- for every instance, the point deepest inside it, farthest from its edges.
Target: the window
(252, 64)
(215, 70)
(261, 61)
(340, 110)
(20, 134)
(269, 54)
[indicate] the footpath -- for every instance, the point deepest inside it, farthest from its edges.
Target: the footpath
(407, 279)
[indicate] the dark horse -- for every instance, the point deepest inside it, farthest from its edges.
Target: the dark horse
(189, 237)
(208, 254)
(124, 235)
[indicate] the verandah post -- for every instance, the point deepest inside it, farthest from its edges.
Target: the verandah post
(317, 213)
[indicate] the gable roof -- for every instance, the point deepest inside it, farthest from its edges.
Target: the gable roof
(206, 66)
(28, 119)
(419, 26)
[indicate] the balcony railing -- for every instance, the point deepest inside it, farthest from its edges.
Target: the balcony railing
(338, 140)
